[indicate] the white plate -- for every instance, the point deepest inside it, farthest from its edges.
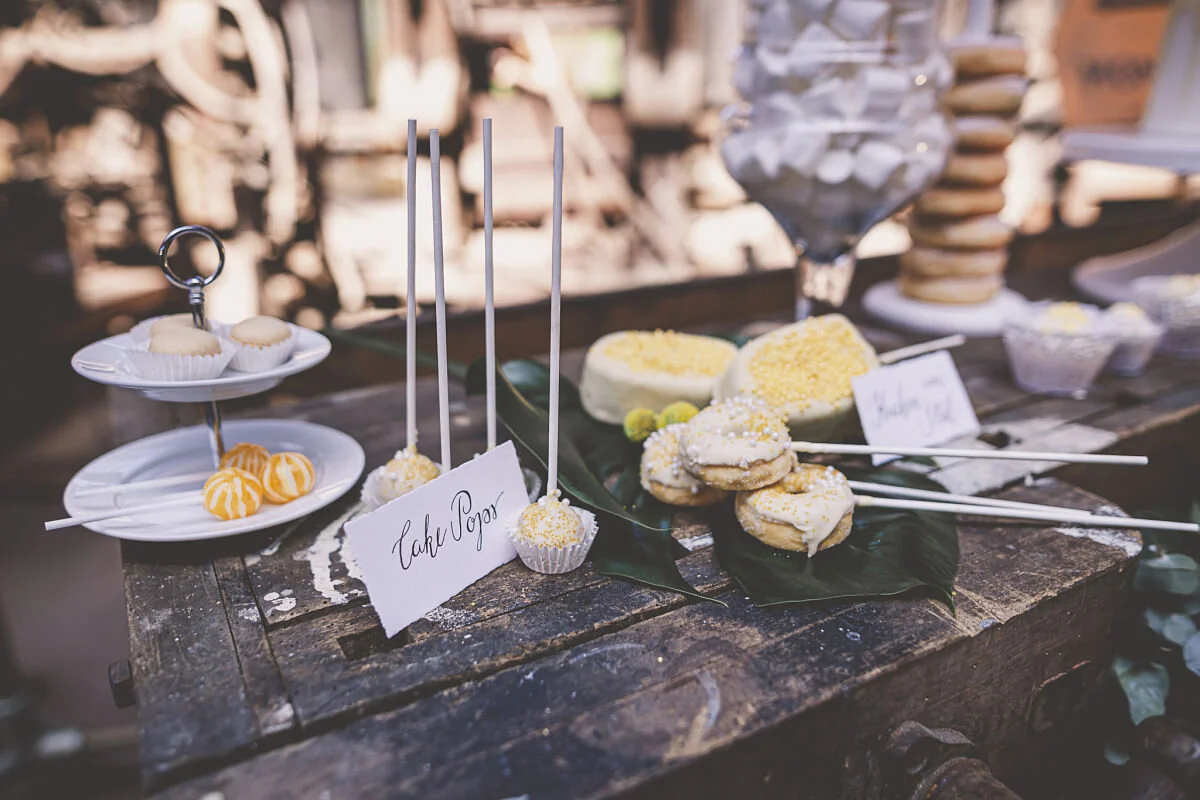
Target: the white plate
(105, 362)
(337, 457)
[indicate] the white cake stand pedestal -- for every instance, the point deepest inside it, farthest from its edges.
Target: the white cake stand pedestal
(887, 303)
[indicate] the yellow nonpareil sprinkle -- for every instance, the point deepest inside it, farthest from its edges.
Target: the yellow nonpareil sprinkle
(1066, 317)
(550, 523)
(812, 362)
(670, 352)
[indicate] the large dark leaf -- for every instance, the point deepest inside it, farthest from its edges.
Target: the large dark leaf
(634, 540)
(888, 552)
(1145, 686)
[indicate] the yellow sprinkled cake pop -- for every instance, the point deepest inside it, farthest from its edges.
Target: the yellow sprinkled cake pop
(405, 472)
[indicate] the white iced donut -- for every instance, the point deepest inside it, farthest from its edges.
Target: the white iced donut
(650, 369)
(803, 369)
(664, 477)
(737, 444)
(810, 509)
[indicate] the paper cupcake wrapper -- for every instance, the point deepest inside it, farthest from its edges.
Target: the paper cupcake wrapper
(372, 494)
(248, 358)
(162, 367)
(1133, 351)
(556, 560)
(141, 331)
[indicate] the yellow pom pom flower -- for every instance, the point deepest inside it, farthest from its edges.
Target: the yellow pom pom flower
(639, 424)
(679, 411)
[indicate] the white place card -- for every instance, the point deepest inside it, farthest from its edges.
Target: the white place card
(423, 548)
(916, 403)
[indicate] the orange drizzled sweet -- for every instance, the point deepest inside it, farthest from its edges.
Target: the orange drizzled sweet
(288, 476)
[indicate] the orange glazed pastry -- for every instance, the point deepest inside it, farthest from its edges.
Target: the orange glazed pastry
(247, 456)
(232, 493)
(288, 476)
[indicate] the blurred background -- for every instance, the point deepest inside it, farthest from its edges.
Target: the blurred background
(280, 124)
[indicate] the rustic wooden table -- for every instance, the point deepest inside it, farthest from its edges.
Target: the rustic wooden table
(260, 670)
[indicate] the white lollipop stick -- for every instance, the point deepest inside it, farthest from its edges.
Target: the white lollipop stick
(555, 312)
(1066, 516)
(950, 452)
(439, 276)
(914, 350)
(489, 307)
(410, 295)
(947, 497)
(113, 513)
(141, 486)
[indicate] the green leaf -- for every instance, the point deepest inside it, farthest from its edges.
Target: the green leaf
(634, 541)
(1173, 573)
(1116, 750)
(1145, 686)
(1191, 653)
(888, 552)
(1175, 628)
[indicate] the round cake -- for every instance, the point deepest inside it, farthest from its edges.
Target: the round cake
(650, 369)
(804, 369)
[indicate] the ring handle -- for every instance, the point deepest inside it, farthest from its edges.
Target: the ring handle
(197, 281)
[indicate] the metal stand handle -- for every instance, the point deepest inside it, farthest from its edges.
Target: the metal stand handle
(195, 289)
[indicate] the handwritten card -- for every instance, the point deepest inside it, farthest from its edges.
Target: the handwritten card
(423, 548)
(916, 403)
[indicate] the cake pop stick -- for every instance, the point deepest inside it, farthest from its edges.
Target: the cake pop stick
(489, 307)
(555, 312)
(435, 157)
(410, 296)
(922, 348)
(955, 452)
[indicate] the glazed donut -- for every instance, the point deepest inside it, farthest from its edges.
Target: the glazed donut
(650, 369)
(247, 456)
(1000, 95)
(983, 133)
(232, 493)
(933, 262)
(946, 201)
(976, 169)
(983, 56)
(988, 232)
(803, 369)
(951, 291)
(288, 476)
(664, 477)
(737, 444)
(810, 509)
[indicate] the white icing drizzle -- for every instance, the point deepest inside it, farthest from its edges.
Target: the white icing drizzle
(661, 463)
(737, 432)
(812, 499)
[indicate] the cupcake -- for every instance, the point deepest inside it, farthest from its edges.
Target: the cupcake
(1057, 348)
(146, 328)
(180, 354)
(261, 343)
(551, 536)
(1136, 334)
(1173, 301)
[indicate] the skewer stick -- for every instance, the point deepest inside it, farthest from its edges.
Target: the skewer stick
(489, 307)
(113, 513)
(1066, 516)
(435, 157)
(995, 502)
(139, 486)
(921, 348)
(555, 312)
(410, 296)
(952, 452)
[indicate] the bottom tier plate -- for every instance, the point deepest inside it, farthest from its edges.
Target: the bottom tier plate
(885, 302)
(338, 460)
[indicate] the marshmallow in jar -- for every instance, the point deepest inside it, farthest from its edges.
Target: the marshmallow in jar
(841, 124)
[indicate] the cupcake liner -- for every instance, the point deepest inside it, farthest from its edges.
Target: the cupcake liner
(164, 367)
(371, 494)
(1133, 351)
(556, 560)
(1063, 363)
(250, 358)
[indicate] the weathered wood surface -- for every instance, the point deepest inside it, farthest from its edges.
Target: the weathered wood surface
(682, 698)
(295, 652)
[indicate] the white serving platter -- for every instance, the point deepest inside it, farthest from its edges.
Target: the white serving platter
(337, 457)
(105, 362)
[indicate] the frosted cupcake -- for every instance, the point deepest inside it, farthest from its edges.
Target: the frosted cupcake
(262, 343)
(1057, 348)
(177, 353)
(552, 536)
(1137, 335)
(146, 328)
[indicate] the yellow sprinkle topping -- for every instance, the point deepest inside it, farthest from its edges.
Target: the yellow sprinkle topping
(813, 361)
(550, 522)
(670, 352)
(407, 471)
(1064, 317)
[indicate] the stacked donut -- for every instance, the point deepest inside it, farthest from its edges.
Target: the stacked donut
(960, 245)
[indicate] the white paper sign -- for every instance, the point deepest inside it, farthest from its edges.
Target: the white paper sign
(917, 403)
(423, 548)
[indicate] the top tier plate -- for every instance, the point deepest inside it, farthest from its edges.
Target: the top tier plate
(105, 362)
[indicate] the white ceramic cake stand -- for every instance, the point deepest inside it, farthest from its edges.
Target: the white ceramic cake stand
(338, 460)
(886, 302)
